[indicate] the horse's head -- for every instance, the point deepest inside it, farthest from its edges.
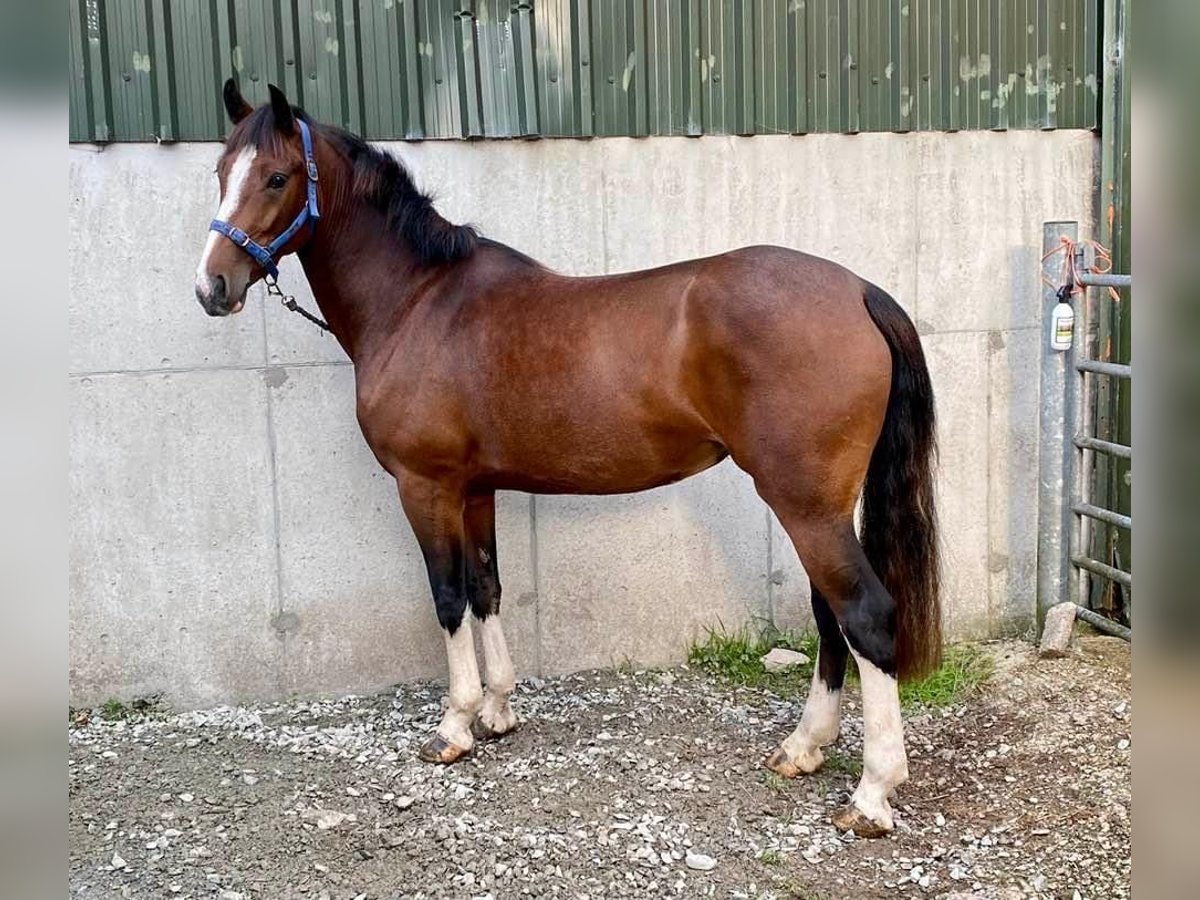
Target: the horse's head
(268, 199)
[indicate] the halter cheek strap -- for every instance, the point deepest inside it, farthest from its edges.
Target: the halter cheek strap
(265, 256)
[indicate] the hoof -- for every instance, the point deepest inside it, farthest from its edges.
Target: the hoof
(851, 818)
(485, 732)
(781, 763)
(439, 750)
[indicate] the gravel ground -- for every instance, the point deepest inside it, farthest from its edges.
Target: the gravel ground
(618, 784)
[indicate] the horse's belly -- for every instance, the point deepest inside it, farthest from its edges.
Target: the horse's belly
(616, 463)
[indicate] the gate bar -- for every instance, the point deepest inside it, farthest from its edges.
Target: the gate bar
(1108, 626)
(1091, 443)
(1104, 515)
(1095, 279)
(1116, 370)
(1099, 568)
(1081, 390)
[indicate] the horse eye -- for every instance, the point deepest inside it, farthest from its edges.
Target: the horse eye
(277, 181)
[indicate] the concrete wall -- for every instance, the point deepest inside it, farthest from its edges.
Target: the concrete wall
(232, 536)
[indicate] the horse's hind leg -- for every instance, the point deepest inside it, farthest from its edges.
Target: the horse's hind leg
(866, 617)
(483, 586)
(800, 753)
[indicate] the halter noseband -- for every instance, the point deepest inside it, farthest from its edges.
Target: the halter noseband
(265, 256)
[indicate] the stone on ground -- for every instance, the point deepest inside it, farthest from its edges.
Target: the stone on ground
(780, 660)
(1058, 630)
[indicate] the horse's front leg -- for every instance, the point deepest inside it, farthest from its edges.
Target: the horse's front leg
(483, 585)
(435, 512)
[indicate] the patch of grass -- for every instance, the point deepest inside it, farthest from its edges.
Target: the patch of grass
(736, 657)
(113, 709)
(964, 667)
(838, 762)
(772, 857)
(797, 891)
(774, 781)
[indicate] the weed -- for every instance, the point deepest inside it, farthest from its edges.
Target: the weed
(837, 762)
(964, 667)
(113, 709)
(149, 706)
(736, 657)
(774, 781)
(796, 891)
(772, 857)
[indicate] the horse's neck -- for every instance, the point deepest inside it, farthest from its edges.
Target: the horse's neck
(360, 277)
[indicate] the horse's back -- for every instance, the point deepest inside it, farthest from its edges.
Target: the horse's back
(547, 382)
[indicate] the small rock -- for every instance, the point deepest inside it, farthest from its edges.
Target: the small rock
(1123, 744)
(939, 820)
(118, 862)
(186, 798)
(780, 660)
(404, 802)
(1058, 631)
(250, 779)
(327, 818)
(701, 862)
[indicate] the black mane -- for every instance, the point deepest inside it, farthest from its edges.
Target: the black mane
(382, 181)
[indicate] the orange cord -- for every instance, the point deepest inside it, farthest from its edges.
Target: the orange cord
(1070, 274)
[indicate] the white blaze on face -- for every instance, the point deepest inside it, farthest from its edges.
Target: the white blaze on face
(884, 762)
(234, 188)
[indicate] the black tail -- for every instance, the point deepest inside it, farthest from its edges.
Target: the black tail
(899, 519)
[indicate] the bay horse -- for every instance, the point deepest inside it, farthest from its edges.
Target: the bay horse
(478, 370)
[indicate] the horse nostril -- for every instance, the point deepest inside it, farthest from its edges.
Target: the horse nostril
(210, 289)
(212, 294)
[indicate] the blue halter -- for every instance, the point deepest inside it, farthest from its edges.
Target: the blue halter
(265, 256)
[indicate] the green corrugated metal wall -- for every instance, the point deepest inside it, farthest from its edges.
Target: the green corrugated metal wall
(151, 69)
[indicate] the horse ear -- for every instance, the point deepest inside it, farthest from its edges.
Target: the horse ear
(284, 119)
(235, 103)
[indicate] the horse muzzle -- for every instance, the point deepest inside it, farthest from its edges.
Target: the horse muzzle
(213, 295)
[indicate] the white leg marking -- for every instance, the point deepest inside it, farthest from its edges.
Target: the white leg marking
(466, 694)
(884, 762)
(497, 716)
(229, 205)
(819, 726)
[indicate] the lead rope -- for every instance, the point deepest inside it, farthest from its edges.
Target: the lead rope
(289, 302)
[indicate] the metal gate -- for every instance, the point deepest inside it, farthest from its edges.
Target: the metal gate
(1074, 555)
